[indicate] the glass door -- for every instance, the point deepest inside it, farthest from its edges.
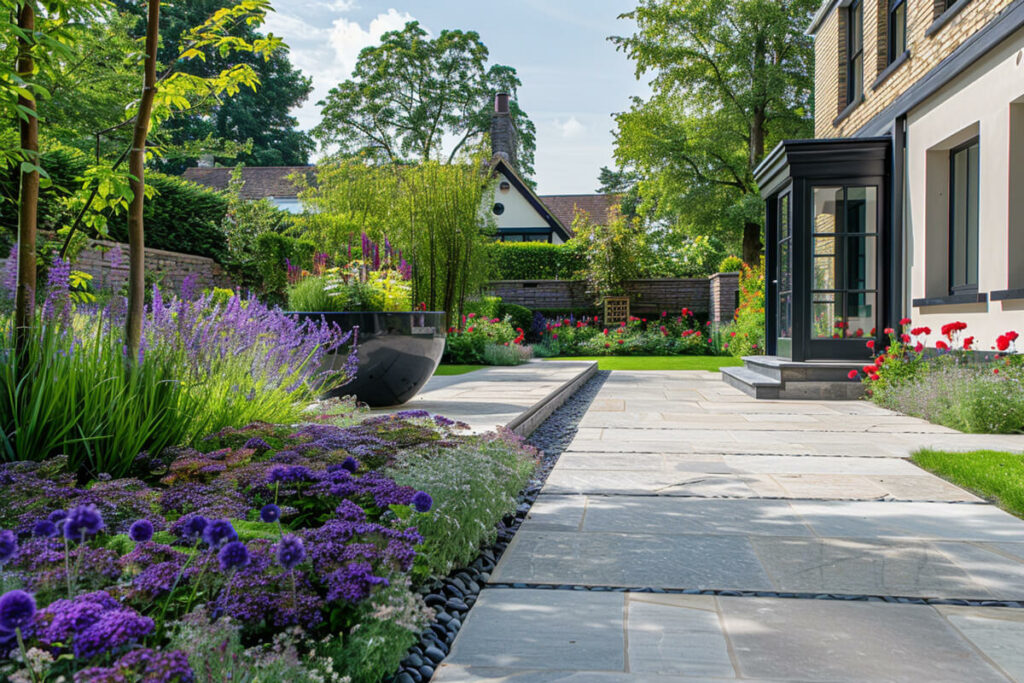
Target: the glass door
(784, 278)
(844, 267)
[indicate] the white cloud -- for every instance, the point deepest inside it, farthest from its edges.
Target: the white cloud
(348, 38)
(571, 127)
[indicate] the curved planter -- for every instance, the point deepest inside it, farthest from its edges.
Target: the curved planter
(398, 353)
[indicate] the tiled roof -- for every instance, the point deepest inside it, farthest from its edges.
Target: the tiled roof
(564, 206)
(260, 181)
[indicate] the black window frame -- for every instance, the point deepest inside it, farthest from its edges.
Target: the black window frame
(966, 287)
(853, 93)
(896, 48)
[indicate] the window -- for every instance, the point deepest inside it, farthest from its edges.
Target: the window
(498, 209)
(963, 218)
(897, 29)
(854, 51)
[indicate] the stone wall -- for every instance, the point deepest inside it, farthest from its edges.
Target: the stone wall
(107, 262)
(647, 297)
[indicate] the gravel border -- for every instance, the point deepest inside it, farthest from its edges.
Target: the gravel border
(453, 597)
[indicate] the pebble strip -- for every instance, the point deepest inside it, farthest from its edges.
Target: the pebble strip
(453, 597)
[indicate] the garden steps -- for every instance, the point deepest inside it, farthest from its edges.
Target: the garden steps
(771, 377)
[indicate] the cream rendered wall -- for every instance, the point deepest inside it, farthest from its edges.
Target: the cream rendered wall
(518, 211)
(978, 102)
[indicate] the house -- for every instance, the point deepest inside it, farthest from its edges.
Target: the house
(521, 215)
(910, 202)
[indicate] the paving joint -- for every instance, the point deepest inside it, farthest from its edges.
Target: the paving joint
(697, 496)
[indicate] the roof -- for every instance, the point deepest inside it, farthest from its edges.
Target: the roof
(260, 181)
(500, 163)
(564, 206)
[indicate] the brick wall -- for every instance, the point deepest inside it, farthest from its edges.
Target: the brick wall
(109, 271)
(646, 296)
(925, 53)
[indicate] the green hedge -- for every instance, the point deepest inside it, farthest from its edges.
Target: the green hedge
(535, 261)
(182, 217)
(274, 252)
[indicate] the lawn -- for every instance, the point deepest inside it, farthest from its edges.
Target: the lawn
(445, 370)
(990, 474)
(711, 363)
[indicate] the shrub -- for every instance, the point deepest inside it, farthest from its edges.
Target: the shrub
(518, 316)
(512, 354)
(466, 345)
(485, 307)
(746, 336)
(244, 222)
(536, 260)
(730, 264)
(382, 283)
(275, 253)
(662, 336)
(615, 250)
(696, 257)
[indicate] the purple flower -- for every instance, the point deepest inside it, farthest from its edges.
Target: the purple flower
(57, 515)
(218, 532)
(8, 546)
(16, 610)
(257, 444)
(44, 528)
(270, 513)
(83, 521)
(350, 511)
(233, 555)
(411, 414)
(350, 464)
(113, 630)
(287, 475)
(290, 551)
(193, 529)
(353, 583)
(143, 664)
(141, 531)
(422, 501)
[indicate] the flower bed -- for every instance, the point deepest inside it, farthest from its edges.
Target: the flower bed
(486, 341)
(953, 383)
(290, 549)
(667, 335)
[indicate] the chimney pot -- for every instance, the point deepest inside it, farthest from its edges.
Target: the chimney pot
(501, 103)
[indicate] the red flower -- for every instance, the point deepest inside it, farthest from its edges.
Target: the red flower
(871, 344)
(949, 329)
(941, 345)
(732, 334)
(471, 316)
(905, 338)
(606, 345)
(905, 321)
(879, 360)
(870, 369)
(605, 332)
(852, 374)
(1002, 342)
(664, 313)
(995, 371)
(921, 330)
(470, 329)
(919, 348)
(859, 332)
(873, 331)
(621, 341)
(874, 378)
(889, 330)
(1012, 336)
(968, 343)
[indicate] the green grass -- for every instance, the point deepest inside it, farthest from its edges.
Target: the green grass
(456, 369)
(989, 474)
(711, 363)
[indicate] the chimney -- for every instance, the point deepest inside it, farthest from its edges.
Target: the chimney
(503, 131)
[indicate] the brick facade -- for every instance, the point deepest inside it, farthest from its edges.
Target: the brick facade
(926, 51)
(714, 297)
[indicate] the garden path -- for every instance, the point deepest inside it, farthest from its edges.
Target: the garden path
(696, 533)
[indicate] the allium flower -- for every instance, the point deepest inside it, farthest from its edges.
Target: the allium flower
(141, 531)
(290, 551)
(194, 527)
(8, 546)
(270, 513)
(17, 608)
(81, 522)
(218, 532)
(57, 515)
(422, 501)
(233, 555)
(44, 528)
(350, 464)
(258, 444)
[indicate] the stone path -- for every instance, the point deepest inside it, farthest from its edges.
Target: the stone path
(494, 396)
(822, 553)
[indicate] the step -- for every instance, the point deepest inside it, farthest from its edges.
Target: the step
(786, 370)
(752, 383)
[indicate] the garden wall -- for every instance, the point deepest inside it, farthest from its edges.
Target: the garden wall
(714, 297)
(109, 268)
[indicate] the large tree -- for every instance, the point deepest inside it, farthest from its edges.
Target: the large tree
(731, 79)
(262, 116)
(409, 92)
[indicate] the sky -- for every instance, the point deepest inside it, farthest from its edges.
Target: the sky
(574, 80)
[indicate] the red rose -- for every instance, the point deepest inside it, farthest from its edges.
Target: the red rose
(941, 345)
(871, 344)
(605, 333)
(874, 378)
(606, 345)
(905, 321)
(995, 371)
(870, 369)
(852, 374)
(968, 343)
(919, 348)
(889, 330)
(905, 338)
(879, 360)
(621, 341)
(1012, 336)
(1002, 342)
(470, 329)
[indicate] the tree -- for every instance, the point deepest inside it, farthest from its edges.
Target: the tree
(410, 91)
(261, 116)
(624, 183)
(615, 249)
(731, 79)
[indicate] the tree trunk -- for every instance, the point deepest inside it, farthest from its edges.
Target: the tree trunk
(752, 244)
(756, 137)
(28, 202)
(137, 168)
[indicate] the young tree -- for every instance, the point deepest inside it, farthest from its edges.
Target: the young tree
(408, 92)
(731, 79)
(28, 199)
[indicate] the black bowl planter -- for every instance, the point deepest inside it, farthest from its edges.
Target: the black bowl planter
(398, 353)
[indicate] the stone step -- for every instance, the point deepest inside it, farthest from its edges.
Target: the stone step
(751, 382)
(768, 377)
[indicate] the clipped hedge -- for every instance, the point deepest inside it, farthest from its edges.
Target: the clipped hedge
(535, 261)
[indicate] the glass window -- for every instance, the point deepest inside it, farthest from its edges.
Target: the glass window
(963, 218)
(897, 29)
(854, 51)
(785, 276)
(844, 261)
